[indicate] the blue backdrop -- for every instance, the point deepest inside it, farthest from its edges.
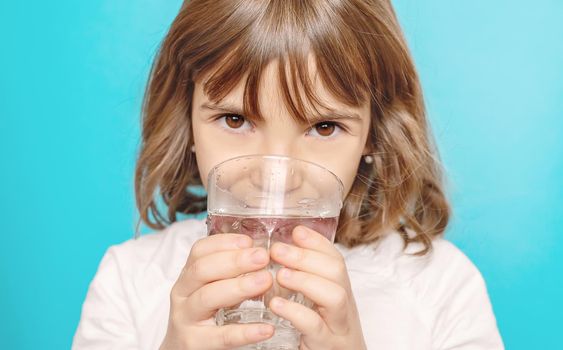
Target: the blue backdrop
(72, 77)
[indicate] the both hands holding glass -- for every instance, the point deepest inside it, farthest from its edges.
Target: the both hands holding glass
(268, 275)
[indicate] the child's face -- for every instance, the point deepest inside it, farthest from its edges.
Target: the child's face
(221, 132)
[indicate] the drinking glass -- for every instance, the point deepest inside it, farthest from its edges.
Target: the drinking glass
(265, 197)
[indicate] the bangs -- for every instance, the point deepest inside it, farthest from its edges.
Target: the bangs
(306, 46)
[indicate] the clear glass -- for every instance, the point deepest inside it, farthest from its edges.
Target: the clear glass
(265, 197)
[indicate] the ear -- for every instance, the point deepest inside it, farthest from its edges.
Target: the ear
(367, 148)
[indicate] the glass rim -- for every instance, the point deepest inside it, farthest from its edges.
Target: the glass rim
(272, 156)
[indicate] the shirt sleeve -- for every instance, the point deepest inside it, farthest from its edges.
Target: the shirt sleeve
(464, 318)
(106, 321)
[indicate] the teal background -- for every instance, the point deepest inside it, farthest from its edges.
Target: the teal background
(72, 77)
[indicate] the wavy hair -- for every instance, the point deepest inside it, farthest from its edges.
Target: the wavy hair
(360, 54)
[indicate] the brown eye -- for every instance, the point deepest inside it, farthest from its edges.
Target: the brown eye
(325, 128)
(234, 121)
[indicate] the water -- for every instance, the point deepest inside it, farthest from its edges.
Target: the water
(265, 231)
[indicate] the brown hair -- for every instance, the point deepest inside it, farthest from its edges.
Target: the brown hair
(360, 53)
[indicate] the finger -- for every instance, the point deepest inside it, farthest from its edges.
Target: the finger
(306, 238)
(205, 302)
(332, 300)
(304, 319)
(217, 266)
(218, 242)
(232, 336)
(307, 260)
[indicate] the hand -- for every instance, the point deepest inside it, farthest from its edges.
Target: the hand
(210, 280)
(316, 269)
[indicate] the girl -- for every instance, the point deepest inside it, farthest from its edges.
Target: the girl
(331, 82)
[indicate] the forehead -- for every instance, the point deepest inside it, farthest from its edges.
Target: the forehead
(289, 89)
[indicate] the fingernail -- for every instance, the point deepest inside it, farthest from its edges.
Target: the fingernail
(244, 242)
(301, 233)
(285, 273)
(282, 249)
(260, 278)
(264, 330)
(278, 303)
(259, 256)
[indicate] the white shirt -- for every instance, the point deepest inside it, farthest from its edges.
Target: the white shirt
(438, 301)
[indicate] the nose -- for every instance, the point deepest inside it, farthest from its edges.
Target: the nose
(280, 140)
(277, 176)
(274, 147)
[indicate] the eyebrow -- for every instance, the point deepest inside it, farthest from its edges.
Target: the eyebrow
(330, 115)
(223, 107)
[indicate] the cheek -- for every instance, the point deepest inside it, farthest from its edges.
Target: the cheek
(205, 152)
(342, 160)
(203, 169)
(207, 158)
(346, 171)
(211, 150)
